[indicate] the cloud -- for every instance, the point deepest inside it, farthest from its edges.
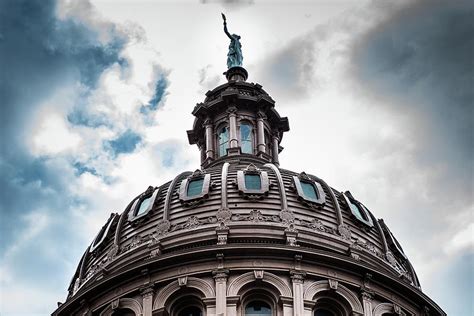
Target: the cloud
(124, 144)
(390, 87)
(422, 57)
(71, 84)
(291, 69)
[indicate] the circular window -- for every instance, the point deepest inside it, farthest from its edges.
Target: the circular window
(258, 308)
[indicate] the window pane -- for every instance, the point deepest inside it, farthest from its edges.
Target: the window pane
(246, 138)
(309, 190)
(355, 210)
(144, 206)
(195, 187)
(253, 182)
(323, 312)
(191, 311)
(223, 140)
(258, 309)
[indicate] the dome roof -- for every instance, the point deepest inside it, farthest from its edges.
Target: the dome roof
(242, 204)
(281, 216)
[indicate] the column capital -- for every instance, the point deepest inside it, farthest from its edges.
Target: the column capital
(297, 276)
(232, 110)
(220, 275)
(147, 290)
(367, 295)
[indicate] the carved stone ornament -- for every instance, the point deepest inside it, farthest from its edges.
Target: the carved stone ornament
(287, 216)
(397, 309)
(333, 284)
(223, 215)
(136, 241)
(222, 232)
(297, 276)
(183, 281)
(345, 232)
(192, 222)
(367, 296)
(220, 275)
(258, 274)
(115, 304)
(291, 233)
(391, 258)
(162, 227)
(112, 253)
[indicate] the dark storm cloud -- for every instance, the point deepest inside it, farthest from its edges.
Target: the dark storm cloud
(422, 57)
(39, 52)
(39, 55)
(290, 71)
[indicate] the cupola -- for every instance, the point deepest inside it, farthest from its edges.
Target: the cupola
(237, 118)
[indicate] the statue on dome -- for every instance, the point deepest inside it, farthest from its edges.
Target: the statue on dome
(234, 56)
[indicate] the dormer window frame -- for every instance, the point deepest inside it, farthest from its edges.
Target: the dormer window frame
(303, 177)
(253, 193)
(392, 241)
(150, 192)
(349, 199)
(183, 188)
(103, 233)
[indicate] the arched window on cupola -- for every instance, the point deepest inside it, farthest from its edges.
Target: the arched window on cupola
(222, 141)
(246, 142)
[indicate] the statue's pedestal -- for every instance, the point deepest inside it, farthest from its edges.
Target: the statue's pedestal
(236, 73)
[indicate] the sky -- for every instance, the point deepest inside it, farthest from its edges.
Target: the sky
(96, 97)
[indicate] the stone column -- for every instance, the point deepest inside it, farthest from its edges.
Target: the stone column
(297, 279)
(147, 295)
(260, 133)
(275, 150)
(220, 277)
(367, 302)
(209, 139)
(233, 127)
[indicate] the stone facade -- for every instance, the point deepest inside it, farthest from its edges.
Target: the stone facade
(241, 233)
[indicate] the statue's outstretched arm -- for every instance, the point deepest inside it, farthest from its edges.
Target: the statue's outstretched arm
(226, 31)
(225, 27)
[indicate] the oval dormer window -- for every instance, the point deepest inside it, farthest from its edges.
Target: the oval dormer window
(143, 205)
(253, 182)
(103, 233)
(309, 190)
(358, 210)
(194, 188)
(223, 141)
(246, 138)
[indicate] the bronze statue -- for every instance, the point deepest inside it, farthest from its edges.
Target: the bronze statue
(234, 56)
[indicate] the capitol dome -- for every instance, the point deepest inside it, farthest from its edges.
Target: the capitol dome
(241, 236)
